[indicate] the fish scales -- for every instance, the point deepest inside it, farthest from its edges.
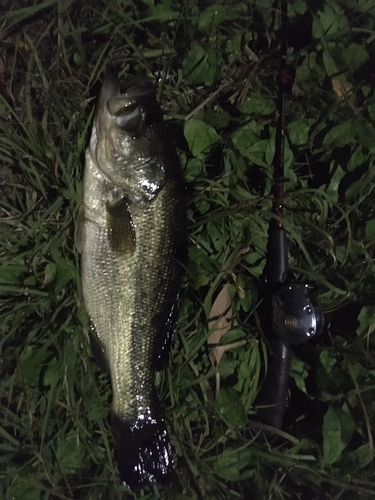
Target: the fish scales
(131, 233)
(123, 295)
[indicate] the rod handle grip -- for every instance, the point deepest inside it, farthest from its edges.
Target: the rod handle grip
(272, 398)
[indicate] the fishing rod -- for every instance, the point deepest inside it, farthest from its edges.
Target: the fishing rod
(290, 313)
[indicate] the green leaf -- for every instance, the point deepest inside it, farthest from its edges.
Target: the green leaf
(228, 365)
(245, 137)
(338, 428)
(96, 404)
(232, 336)
(235, 465)
(371, 111)
(257, 262)
(299, 371)
(264, 4)
(218, 120)
(329, 64)
(362, 456)
(247, 301)
(354, 189)
(370, 231)
(258, 104)
(201, 267)
(200, 137)
(193, 168)
(210, 19)
(233, 48)
(298, 131)
(70, 454)
(10, 273)
(31, 363)
(333, 187)
(268, 13)
(26, 487)
(215, 231)
(298, 6)
(366, 320)
(354, 56)
(52, 374)
(201, 66)
(231, 407)
(256, 153)
(341, 135)
(66, 270)
(356, 159)
(195, 64)
(162, 13)
(366, 5)
(328, 22)
(78, 59)
(49, 273)
(214, 62)
(328, 360)
(366, 134)
(309, 69)
(352, 366)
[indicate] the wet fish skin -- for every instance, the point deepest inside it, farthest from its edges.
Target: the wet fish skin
(131, 234)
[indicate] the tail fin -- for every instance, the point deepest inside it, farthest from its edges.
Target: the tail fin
(143, 450)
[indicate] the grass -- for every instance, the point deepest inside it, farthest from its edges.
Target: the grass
(217, 70)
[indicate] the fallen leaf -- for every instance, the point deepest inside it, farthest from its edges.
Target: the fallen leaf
(220, 319)
(343, 91)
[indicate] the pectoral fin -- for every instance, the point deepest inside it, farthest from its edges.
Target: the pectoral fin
(121, 232)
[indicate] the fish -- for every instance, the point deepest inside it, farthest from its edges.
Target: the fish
(131, 235)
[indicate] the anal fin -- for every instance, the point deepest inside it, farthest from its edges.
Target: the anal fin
(97, 349)
(166, 324)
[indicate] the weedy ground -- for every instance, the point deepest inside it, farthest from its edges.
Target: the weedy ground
(216, 65)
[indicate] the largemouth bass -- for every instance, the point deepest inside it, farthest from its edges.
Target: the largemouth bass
(131, 234)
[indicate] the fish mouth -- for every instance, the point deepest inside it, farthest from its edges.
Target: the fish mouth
(134, 107)
(140, 91)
